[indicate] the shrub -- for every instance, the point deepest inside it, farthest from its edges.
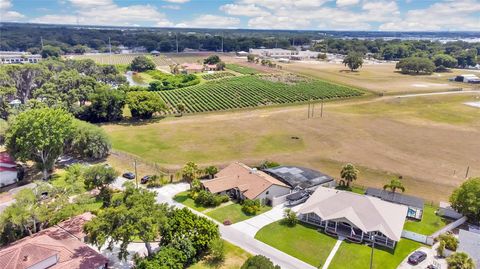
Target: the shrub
(290, 217)
(208, 199)
(251, 207)
(441, 249)
(460, 260)
(216, 250)
(259, 262)
(157, 181)
(450, 241)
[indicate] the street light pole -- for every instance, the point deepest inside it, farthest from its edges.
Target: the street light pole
(136, 176)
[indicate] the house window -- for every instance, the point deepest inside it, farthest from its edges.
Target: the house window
(267, 192)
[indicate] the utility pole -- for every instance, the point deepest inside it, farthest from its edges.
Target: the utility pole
(222, 42)
(468, 170)
(109, 45)
(371, 254)
(136, 176)
(41, 42)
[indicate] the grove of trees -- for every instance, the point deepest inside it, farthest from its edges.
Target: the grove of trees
(416, 65)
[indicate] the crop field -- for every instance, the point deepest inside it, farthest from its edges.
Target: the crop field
(123, 59)
(217, 75)
(242, 69)
(251, 91)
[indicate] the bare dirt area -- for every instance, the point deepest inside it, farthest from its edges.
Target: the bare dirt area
(380, 78)
(429, 149)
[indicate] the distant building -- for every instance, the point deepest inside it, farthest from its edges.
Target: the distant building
(10, 57)
(242, 182)
(140, 49)
(415, 205)
(211, 67)
(191, 68)
(58, 247)
(8, 170)
(467, 78)
(155, 52)
(300, 177)
(285, 54)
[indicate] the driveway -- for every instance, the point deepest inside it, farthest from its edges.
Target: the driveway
(251, 226)
(431, 258)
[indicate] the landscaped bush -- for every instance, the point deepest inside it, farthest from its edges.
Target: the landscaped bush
(208, 199)
(157, 181)
(259, 262)
(290, 217)
(217, 251)
(451, 242)
(251, 207)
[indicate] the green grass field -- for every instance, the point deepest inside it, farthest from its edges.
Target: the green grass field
(302, 241)
(351, 255)
(429, 224)
(251, 91)
(185, 199)
(233, 213)
(234, 259)
(242, 69)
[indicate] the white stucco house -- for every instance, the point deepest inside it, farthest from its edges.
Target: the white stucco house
(8, 170)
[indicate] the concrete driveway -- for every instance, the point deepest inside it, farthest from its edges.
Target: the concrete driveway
(251, 226)
(431, 257)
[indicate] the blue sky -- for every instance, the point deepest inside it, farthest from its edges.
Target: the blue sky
(389, 15)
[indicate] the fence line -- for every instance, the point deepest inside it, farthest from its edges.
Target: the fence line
(450, 227)
(153, 165)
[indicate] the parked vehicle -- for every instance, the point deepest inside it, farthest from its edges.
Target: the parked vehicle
(129, 175)
(145, 179)
(417, 257)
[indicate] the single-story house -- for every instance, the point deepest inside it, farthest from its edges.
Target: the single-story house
(60, 246)
(469, 242)
(356, 217)
(415, 205)
(242, 182)
(8, 170)
(191, 68)
(446, 210)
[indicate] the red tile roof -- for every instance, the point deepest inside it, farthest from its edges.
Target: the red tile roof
(55, 243)
(6, 158)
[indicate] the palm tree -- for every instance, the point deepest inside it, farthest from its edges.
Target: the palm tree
(190, 172)
(211, 171)
(460, 260)
(394, 185)
(349, 173)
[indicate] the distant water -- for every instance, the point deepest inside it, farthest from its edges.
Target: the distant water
(132, 82)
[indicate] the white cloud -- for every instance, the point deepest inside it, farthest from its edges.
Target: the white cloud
(278, 22)
(250, 10)
(211, 21)
(9, 15)
(447, 15)
(275, 4)
(105, 12)
(174, 7)
(5, 4)
(177, 1)
(344, 3)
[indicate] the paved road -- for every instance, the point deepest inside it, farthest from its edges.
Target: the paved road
(435, 93)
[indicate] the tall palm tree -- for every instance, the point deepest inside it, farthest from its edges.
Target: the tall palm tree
(460, 260)
(349, 173)
(394, 185)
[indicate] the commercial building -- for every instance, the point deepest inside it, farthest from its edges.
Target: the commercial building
(10, 57)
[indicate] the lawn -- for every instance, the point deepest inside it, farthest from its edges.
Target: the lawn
(429, 224)
(185, 199)
(233, 213)
(351, 255)
(234, 259)
(302, 241)
(242, 69)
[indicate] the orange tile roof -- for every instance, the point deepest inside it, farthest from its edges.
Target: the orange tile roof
(238, 175)
(53, 243)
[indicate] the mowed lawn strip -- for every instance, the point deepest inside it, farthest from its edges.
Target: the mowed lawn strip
(429, 224)
(352, 255)
(185, 199)
(302, 241)
(233, 213)
(234, 259)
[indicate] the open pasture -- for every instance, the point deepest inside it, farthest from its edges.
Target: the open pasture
(380, 136)
(378, 78)
(251, 91)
